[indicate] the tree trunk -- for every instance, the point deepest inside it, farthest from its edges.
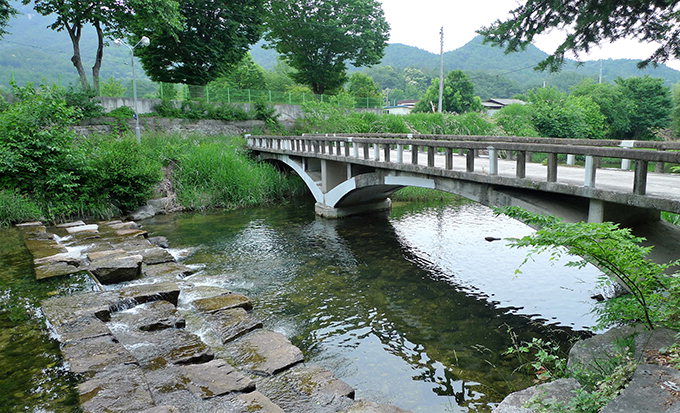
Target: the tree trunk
(74, 33)
(98, 58)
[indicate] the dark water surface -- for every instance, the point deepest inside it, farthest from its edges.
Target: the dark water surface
(412, 309)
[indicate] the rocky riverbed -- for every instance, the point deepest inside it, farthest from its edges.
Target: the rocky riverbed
(154, 338)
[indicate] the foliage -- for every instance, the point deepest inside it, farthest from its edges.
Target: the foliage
(417, 194)
(83, 100)
(245, 75)
(110, 18)
(588, 24)
(675, 112)
(361, 85)
(201, 110)
(15, 207)
(652, 102)
(653, 296)
(516, 120)
(614, 105)
(266, 112)
(319, 37)
(541, 357)
(112, 87)
(557, 115)
(167, 91)
(458, 95)
(670, 217)
(6, 12)
(215, 36)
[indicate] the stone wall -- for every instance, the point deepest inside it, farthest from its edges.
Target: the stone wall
(171, 125)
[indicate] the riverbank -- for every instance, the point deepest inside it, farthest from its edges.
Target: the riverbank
(147, 337)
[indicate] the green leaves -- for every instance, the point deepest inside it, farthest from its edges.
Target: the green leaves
(459, 95)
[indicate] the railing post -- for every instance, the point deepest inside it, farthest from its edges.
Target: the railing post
(625, 163)
(365, 145)
(338, 147)
(355, 148)
(386, 151)
(316, 147)
(330, 147)
(449, 158)
(552, 167)
(414, 154)
(521, 169)
(590, 170)
(470, 160)
(400, 153)
(430, 155)
(640, 182)
(376, 152)
(249, 140)
(278, 144)
(493, 160)
(571, 159)
(346, 144)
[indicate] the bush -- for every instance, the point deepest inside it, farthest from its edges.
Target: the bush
(15, 207)
(83, 100)
(123, 112)
(516, 120)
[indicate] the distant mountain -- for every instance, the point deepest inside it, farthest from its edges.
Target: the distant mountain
(34, 53)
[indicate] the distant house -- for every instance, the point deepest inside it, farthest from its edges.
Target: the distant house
(403, 107)
(494, 105)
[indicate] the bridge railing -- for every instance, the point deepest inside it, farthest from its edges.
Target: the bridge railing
(367, 147)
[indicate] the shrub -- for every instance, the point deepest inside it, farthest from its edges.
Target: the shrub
(83, 100)
(515, 120)
(15, 207)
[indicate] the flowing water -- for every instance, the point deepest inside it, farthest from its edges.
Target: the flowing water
(413, 309)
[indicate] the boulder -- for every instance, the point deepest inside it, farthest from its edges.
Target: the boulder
(159, 242)
(144, 293)
(222, 302)
(648, 343)
(144, 212)
(113, 270)
(593, 351)
(652, 389)
(122, 389)
(265, 352)
(560, 390)
(93, 228)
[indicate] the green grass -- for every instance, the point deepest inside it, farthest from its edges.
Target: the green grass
(417, 194)
(15, 207)
(670, 217)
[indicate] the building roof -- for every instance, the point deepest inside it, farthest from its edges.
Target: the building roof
(505, 102)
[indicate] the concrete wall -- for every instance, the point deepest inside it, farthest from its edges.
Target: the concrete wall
(287, 113)
(183, 126)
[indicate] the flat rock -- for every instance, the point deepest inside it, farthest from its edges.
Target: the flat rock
(591, 352)
(132, 233)
(57, 258)
(71, 224)
(648, 343)
(561, 390)
(29, 224)
(144, 293)
(38, 233)
(97, 255)
(214, 378)
(158, 349)
(153, 316)
(266, 352)
(143, 213)
(92, 228)
(652, 389)
(80, 328)
(114, 270)
(56, 269)
(124, 225)
(92, 355)
(233, 323)
(168, 269)
(159, 241)
(258, 402)
(123, 389)
(162, 409)
(131, 244)
(222, 302)
(363, 406)
(155, 255)
(61, 310)
(44, 248)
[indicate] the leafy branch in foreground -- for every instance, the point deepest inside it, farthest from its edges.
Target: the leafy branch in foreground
(653, 295)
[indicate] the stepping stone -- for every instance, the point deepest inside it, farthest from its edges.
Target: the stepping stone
(58, 258)
(44, 248)
(113, 270)
(81, 328)
(168, 269)
(364, 406)
(97, 255)
(144, 293)
(71, 224)
(92, 355)
(124, 225)
(266, 353)
(154, 316)
(258, 402)
(62, 310)
(232, 323)
(155, 255)
(158, 349)
(132, 233)
(222, 302)
(56, 269)
(123, 389)
(159, 242)
(93, 228)
(29, 224)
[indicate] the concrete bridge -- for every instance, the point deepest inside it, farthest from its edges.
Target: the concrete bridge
(356, 174)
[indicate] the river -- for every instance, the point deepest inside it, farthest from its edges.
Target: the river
(413, 309)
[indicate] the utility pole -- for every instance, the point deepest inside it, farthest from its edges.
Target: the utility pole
(441, 70)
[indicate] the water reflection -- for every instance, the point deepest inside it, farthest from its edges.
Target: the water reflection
(411, 310)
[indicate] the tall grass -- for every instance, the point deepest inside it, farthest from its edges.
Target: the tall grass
(14, 208)
(671, 217)
(417, 194)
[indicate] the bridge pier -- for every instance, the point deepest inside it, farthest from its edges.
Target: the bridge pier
(601, 211)
(326, 211)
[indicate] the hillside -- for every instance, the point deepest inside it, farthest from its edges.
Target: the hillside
(34, 53)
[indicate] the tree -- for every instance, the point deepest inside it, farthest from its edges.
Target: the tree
(615, 107)
(245, 75)
(557, 115)
(6, 12)
(362, 86)
(652, 103)
(110, 18)
(216, 35)
(319, 37)
(459, 95)
(675, 114)
(589, 23)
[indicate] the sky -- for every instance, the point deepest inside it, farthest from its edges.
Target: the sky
(417, 23)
